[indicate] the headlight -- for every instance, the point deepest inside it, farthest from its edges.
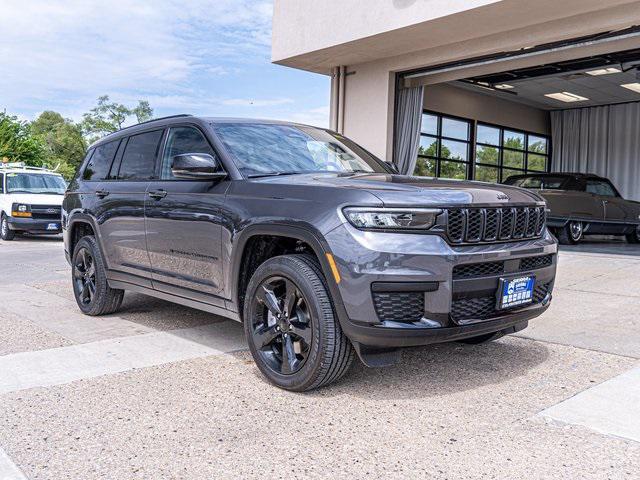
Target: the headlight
(20, 210)
(392, 218)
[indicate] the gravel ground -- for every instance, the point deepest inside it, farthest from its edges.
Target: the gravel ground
(449, 411)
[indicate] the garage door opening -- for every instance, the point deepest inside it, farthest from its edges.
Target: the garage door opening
(578, 115)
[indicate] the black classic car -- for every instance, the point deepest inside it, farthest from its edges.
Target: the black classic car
(583, 204)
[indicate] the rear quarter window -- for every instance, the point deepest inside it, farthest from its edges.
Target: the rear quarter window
(100, 162)
(139, 157)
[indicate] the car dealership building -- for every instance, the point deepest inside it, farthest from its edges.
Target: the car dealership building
(478, 89)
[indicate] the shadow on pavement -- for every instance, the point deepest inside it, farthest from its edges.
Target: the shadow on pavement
(440, 370)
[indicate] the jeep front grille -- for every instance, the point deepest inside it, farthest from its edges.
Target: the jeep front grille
(485, 225)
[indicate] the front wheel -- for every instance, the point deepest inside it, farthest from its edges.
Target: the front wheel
(571, 233)
(634, 237)
(290, 324)
(5, 232)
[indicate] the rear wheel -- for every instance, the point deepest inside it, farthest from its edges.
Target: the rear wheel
(571, 233)
(5, 232)
(634, 237)
(92, 292)
(290, 324)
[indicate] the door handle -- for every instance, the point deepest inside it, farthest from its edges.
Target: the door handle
(158, 194)
(101, 193)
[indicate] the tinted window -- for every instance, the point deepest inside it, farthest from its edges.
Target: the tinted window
(1, 182)
(138, 159)
(538, 182)
(182, 140)
(599, 187)
(100, 162)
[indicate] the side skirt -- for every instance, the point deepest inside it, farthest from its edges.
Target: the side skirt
(223, 312)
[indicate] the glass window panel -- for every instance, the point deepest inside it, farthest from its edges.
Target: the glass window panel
(537, 144)
(486, 174)
(511, 159)
(506, 173)
(428, 146)
(486, 154)
(537, 163)
(455, 128)
(453, 170)
(487, 134)
(454, 150)
(514, 140)
(425, 167)
(429, 124)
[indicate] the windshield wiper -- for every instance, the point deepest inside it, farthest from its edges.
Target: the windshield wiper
(272, 174)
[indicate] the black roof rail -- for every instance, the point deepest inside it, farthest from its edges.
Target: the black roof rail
(180, 115)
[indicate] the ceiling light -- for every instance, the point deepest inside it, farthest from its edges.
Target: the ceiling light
(603, 71)
(632, 86)
(503, 86)
(567, 97)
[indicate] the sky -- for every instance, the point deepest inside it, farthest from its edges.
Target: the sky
(203, 57)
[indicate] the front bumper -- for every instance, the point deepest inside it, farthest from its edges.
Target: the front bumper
(422, 267)
(34, 225)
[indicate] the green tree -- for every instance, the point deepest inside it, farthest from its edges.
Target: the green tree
(17, 144)
(63, 142)
(108, 117)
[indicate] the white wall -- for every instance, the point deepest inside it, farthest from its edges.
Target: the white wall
(460, 102)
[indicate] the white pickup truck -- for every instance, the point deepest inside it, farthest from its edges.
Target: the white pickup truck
(30, 200)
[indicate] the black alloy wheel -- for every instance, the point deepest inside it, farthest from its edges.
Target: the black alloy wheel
(84, 276)
(292, 330)
(282, 330)
(91, 289)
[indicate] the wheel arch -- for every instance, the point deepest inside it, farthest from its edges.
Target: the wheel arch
(79, 226)
(306, 234)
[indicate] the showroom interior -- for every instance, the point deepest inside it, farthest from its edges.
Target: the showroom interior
(577, 114)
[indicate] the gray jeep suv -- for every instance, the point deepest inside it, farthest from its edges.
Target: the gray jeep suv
(321, 250)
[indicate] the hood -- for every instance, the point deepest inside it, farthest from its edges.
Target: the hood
(401, 190)
(36, 198)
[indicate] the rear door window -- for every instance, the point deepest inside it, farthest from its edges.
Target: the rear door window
(100, 162)
(1, 183)
(138, 159)
(538, 182)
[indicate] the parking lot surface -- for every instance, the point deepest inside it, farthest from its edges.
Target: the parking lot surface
(163, 391)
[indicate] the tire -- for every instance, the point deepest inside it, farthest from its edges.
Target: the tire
(89, 278)
(633, 237)
(571, 233)
(6, 233)
(486, 338)
(303, 348)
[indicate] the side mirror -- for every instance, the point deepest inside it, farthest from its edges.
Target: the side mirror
(392, 166)
(200, 166)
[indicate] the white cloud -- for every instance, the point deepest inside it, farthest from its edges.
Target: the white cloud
(63, 54)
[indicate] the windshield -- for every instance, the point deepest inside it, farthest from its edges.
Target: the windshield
(538, 182)
(271, 149)
(35, 183)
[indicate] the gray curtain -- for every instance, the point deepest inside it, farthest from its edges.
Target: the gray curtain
(602, 140)
(406, 135)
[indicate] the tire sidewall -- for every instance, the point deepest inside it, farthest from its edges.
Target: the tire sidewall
(90, 244)
(4, 223)
(286, 267)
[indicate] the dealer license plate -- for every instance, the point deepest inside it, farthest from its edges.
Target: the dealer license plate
(53, 226)
(513, 292)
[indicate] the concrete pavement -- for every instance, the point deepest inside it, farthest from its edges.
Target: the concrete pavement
(163, 391)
